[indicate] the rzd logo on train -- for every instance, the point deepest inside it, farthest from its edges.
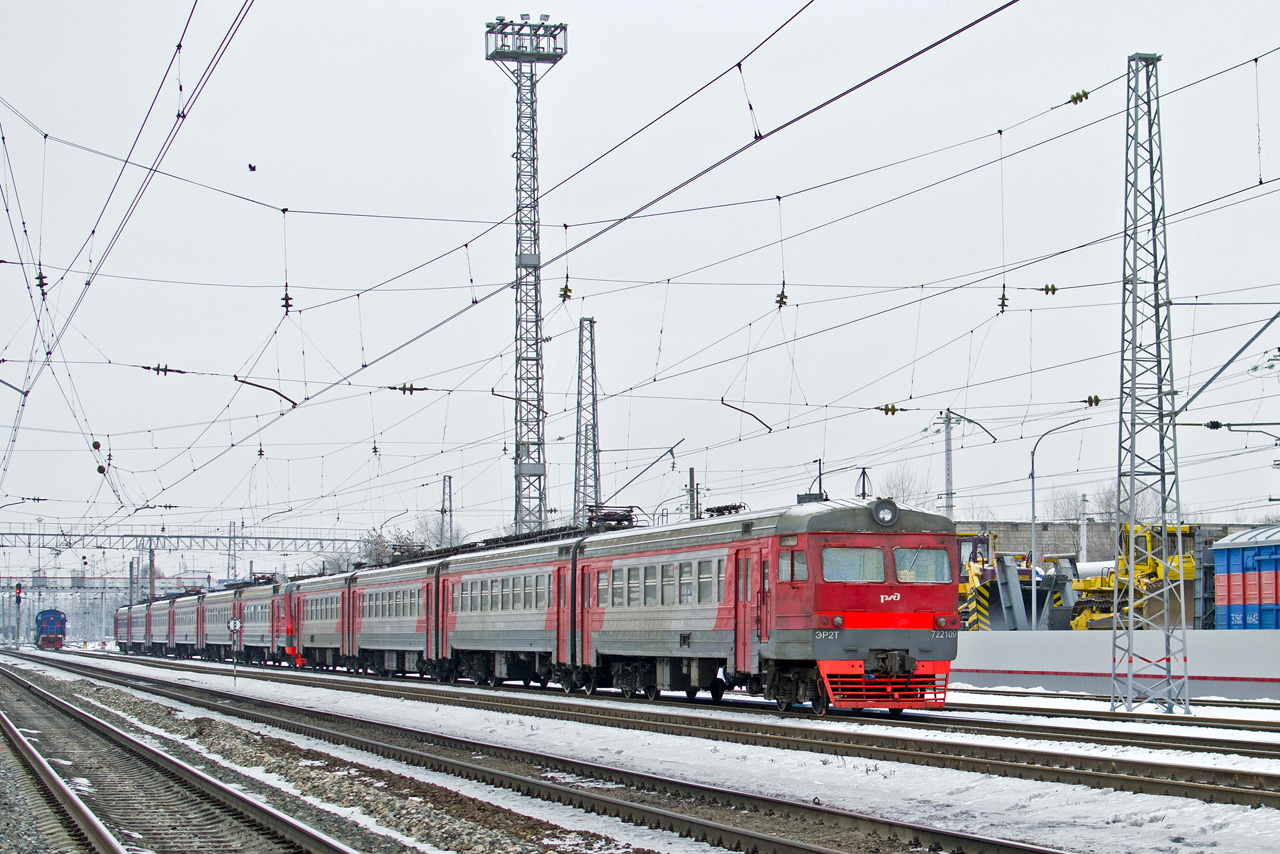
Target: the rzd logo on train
(890, 597)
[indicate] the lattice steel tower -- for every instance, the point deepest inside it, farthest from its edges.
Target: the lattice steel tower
(446, 512)
(1148, 514)
(586, 443)
(519, 48)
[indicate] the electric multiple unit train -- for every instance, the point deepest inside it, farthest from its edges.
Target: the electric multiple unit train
(845, 604)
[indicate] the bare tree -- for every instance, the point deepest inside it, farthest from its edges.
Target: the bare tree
(905, 485)
(1064, 506)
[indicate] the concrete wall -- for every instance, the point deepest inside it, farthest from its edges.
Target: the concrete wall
(1243, 665)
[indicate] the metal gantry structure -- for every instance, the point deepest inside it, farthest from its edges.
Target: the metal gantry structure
(586, 442)
(446, 512)
(1149, 517)
(519, 48)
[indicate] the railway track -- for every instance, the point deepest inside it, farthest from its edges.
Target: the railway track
(730, 819)
(118, 782)
(1261, 705)
(680, 721)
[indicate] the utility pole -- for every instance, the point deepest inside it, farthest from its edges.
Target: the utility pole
(948, 418)
(1147, 490)
(446, 511)
(1084, 527)
(231, 551)
(695, 506)
(519, 48)
(586, 442)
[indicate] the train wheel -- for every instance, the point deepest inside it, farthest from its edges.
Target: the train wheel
(690, 693)
(567, 685)
(717, 690)
(822, 702)
(651, 692)
(783, 705)
(593, 684)
(896, 713)
(628, 691)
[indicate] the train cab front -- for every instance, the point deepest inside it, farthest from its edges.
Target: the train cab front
(886, 614)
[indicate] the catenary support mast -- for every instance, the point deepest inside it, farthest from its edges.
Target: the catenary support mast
(1148, 636)
(586, 457)
(519, 47)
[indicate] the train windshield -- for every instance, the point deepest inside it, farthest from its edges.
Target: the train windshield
(852, 564)
(922, 566)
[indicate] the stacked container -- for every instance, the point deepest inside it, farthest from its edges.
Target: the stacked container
(1247, 564)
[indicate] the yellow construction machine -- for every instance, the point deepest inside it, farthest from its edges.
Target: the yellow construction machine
(1093, 608)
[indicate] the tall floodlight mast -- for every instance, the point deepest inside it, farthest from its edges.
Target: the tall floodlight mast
(586, 444)
(519, 47)
(1148, 634)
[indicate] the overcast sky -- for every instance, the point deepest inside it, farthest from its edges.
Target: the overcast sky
(388, 137)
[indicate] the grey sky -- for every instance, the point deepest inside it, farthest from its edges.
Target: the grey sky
(390, 109)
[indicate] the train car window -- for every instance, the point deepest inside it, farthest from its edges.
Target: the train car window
(506, 594)
(619, 579)
(852, 564)
(706, 590)
(602, 588)
(517, 593)
(740, 576)
(784, 566)
(720, 579)
(799, 569)
(475, 596)
(668, 584)
(456, 602)
(686, 583)
(540, 591)
(495, 595)
(484, 595)
(528, 592)
(633, 587)
(748, 577)
(396, 604)
(650, 585)
(922, 566)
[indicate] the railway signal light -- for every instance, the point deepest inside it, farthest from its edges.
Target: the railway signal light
(17, 595)
(1093, 400)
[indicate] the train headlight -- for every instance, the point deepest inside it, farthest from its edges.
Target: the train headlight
(884, 512)
(838, 622)
(941, 622)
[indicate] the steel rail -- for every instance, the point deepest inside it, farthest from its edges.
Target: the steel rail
(1222, 785)
(1271, 706)
(734, 838)
(271, 819)
(95, 832)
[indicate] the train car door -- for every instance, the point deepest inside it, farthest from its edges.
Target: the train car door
(586, 597)
(747, 586)
(562, 604)
(346, 617)
(171, 638)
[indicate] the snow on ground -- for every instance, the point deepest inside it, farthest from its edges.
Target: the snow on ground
(1056, 815)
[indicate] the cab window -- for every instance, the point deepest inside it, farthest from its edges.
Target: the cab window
(922, 566)
(841, 563)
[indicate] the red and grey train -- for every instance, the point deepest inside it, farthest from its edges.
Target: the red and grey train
(846, 604)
